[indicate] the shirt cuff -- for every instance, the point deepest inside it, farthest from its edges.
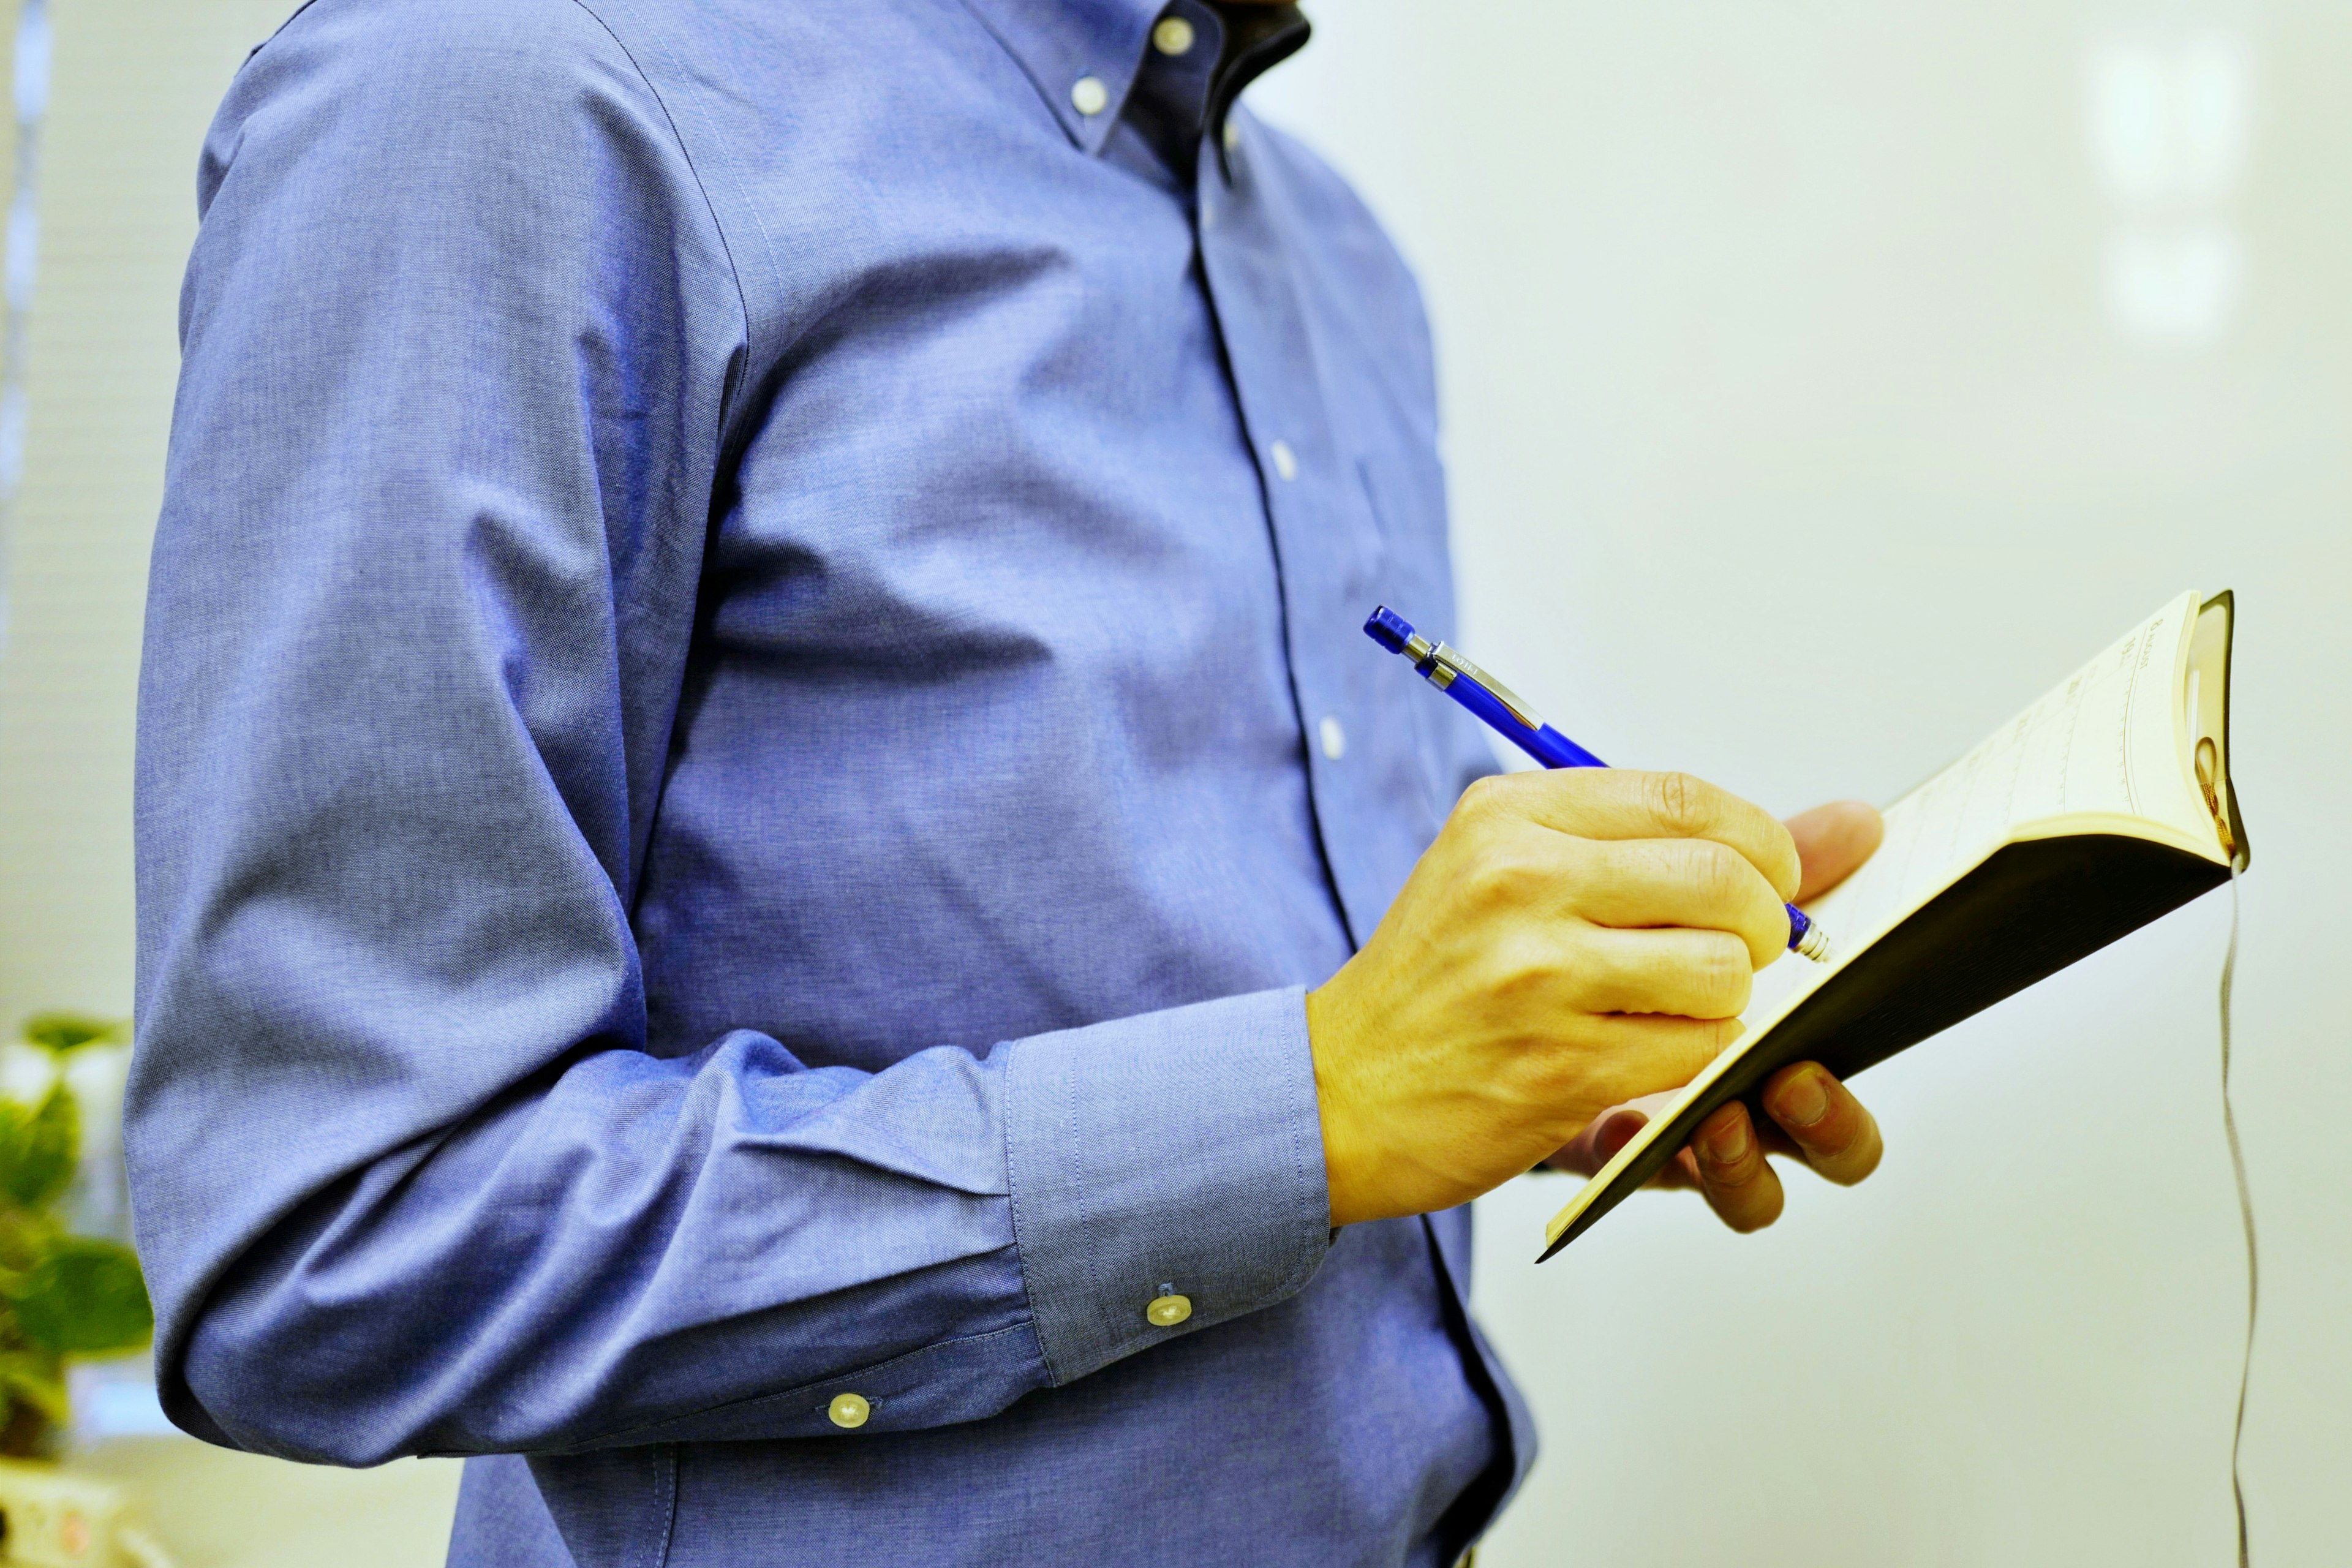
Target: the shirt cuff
(1176, 1153)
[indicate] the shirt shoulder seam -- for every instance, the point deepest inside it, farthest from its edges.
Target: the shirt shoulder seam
(726, 247)
(292, 17)
(669, 119)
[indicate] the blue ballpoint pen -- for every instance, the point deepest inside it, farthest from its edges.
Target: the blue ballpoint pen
(1513, 719)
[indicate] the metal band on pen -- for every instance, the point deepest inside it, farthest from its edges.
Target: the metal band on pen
(1439, 663)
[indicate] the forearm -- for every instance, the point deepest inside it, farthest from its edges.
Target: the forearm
(639, 1243)
(715, 1245)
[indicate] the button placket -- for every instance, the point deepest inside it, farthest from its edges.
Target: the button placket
(1267, 332)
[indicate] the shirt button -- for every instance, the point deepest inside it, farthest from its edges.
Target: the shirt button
(1285, 461)
(1168, 1311)
(1172, 37)
(848, 1410)
(1335, 739)
(1088, 96)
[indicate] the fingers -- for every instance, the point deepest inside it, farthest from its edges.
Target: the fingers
(1833, 1131)
(1832, 841)
(1677, 972)
(1691, 882)
(1737, 1180)
(1603, 1136)
(1606, 1134)
(1617, 803)
(1641, 1055)
(1814, 1116)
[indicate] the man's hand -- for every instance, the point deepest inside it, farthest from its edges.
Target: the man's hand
(1814, 1117)
(1574, 939)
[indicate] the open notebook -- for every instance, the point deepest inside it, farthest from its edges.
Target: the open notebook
(2099, 808)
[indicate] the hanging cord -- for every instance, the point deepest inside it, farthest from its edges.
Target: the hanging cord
(2245, 1217)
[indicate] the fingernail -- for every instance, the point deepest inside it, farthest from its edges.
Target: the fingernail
(1803, 1100)
(1730, 1144)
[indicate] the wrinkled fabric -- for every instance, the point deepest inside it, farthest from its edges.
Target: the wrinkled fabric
(752, 725)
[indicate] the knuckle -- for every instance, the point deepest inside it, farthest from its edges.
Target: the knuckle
(1677, 802)
(1520, 974)
(1724, 975)
(1485, 800)
(1601, 980)
(1505, 879)
(1697, 1044)
(1713, 874)
(1789, 874)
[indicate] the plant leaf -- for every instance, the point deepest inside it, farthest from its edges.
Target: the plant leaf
(85, 1297)
(38, 1379)
(38, 1148)
(63, 1032)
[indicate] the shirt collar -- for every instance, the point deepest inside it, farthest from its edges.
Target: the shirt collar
(1062, 43)
(1256, 39)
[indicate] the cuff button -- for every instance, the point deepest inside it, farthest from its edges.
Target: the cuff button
(850, 1410)
(1168, 1311)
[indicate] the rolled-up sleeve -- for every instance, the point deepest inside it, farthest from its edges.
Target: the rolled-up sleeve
(463, 351)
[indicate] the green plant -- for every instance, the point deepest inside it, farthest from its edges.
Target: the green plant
(62, 1295)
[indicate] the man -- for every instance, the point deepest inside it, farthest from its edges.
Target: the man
(753, 731)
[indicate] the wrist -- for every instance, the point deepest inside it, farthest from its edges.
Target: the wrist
(1344, 1168)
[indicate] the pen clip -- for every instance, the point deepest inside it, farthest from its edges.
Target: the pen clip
(1449, 662)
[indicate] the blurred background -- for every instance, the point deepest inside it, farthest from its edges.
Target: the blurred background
(1824, 382)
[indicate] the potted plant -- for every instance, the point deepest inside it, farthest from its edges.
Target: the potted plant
(62, 1295)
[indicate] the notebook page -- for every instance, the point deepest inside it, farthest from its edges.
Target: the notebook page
(2104, 743)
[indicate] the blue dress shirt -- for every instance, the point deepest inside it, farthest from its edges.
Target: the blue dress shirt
(752, 725)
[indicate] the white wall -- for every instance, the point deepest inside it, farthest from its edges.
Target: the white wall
(133, 84)
(1824, 382)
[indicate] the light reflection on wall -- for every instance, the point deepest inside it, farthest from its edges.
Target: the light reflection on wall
(2169, 115)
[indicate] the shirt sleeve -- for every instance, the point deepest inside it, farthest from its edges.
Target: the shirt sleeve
(462, 350)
